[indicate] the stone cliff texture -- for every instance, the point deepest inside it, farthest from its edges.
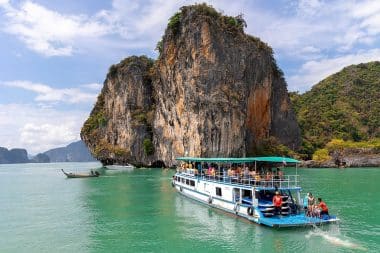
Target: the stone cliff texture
(217, 92)
(120, 123)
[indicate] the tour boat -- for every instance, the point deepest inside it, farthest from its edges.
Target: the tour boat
(237, 185)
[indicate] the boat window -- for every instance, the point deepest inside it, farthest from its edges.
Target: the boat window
(218, 191)
(183, 180)
(192, 183)
(187, 181)
(178, 179)
(246, 193)
(266, 195)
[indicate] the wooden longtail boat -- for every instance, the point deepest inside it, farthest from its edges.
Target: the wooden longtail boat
(81, 175)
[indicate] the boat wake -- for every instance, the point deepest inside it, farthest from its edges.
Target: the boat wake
(334, 239)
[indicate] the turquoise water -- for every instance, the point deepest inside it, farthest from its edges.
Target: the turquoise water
(139, 211)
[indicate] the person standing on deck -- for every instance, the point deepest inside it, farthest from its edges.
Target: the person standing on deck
(310, 205)
(277, 202)
(305, 203)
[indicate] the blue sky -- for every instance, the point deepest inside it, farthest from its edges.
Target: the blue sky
(55, 54)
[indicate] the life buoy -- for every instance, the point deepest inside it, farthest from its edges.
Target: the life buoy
(210, 200)
(250, 211)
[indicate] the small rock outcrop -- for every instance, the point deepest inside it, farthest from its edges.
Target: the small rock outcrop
(213, 91)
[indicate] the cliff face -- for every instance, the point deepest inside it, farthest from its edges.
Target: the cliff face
(120, 123)
(217, 92)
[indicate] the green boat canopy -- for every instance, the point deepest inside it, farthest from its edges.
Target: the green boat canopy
(271, 159)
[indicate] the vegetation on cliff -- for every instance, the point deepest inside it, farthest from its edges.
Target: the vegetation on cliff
(125, 104)
(343, 106)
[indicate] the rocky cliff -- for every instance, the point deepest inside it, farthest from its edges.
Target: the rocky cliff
(213, 91)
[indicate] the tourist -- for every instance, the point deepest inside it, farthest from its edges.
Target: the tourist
(257, 179)
(279, 174)
(277, 202)
(310, 204)
(246, 172)
(305, 203)
(268, 178)
(323, 208)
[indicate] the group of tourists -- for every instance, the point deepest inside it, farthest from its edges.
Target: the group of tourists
(235, 172)
(314, 209)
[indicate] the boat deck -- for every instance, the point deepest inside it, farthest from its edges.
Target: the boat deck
(295, 221)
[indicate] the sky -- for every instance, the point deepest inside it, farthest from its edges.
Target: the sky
(54, 55)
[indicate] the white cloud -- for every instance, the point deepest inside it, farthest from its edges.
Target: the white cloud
(49, 94)
(38, 129)
(92, 86)
(136, 24)
(48, 32)
(4, 2)
(312, 72)
(47, 134)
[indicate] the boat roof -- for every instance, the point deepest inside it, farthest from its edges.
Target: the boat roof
(273, 159)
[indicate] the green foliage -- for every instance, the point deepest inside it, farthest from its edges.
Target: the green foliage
(344, 106)
(321, 155)
(148, 146)
(236, 22)
(205, 9)
(270, 147)
(159, 46)
(97, 118)
(106, 149)
(120, 152)
(231, 21)
(174, 22)
(112, 70)
(339, 144)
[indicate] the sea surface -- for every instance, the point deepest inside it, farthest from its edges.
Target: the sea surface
(139, 211)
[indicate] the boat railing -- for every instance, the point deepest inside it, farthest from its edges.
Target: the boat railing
(285, 181)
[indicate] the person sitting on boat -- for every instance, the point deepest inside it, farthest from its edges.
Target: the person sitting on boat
(257, 179)
(279, 174)
(323, 208)
(211, 171)
(277, 202)
(246, 172)
(268, 178)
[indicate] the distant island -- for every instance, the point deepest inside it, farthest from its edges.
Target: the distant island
(74, 152)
